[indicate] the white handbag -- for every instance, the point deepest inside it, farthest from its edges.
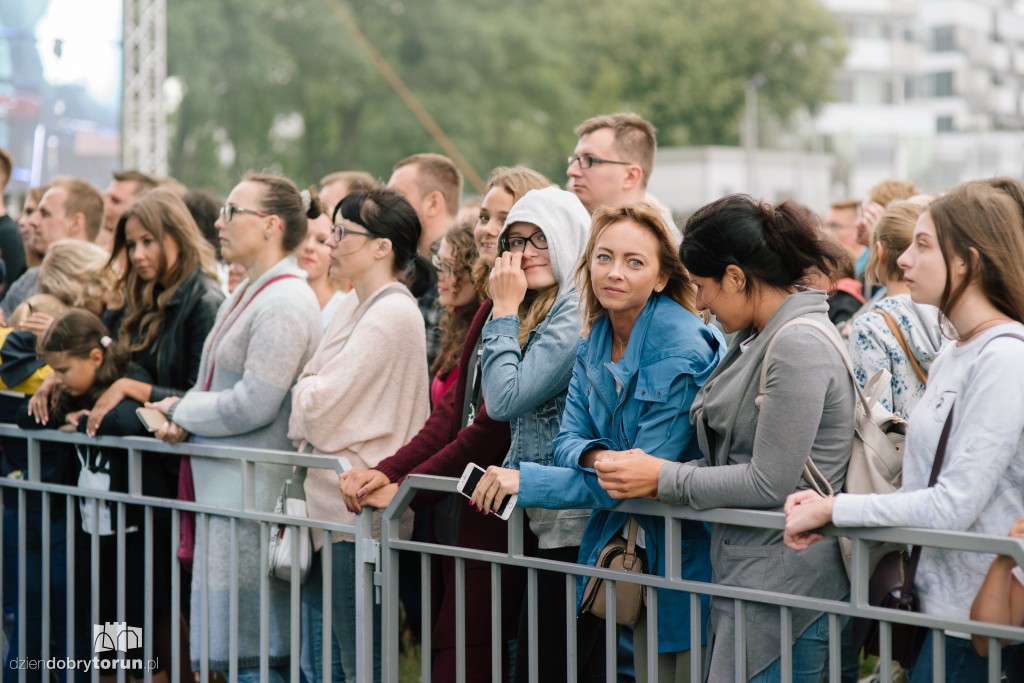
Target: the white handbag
(291, 502)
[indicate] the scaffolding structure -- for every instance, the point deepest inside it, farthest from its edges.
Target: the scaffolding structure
(144, 123)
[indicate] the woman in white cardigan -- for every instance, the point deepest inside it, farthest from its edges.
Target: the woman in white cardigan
(364, 394)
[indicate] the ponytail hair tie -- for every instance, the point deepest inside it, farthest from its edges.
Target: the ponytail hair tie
(305, 200)
(106, 341)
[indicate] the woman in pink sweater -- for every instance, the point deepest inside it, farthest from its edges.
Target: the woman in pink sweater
(363, 394)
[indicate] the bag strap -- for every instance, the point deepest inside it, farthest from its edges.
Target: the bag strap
(898, 333)
(811, 474)
(630, 555)
(915, 553)
(300, 472)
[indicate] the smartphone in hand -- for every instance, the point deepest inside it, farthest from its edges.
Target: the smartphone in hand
(151, 418)
(471, 476)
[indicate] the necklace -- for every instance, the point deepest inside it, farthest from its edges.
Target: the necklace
(981, 327)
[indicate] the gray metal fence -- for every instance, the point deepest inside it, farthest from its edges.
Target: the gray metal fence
(377, 574)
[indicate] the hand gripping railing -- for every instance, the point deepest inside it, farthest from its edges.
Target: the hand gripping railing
(857, 606)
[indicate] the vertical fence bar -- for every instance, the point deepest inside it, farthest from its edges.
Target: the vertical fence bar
(652, 633)
(327, 607)
(786, 642)
(122, 606)
(885, 645)
(94, 570)
(202, 548)
(611, 633)
(995, 660)
(46, 541)
(835, 647)
(175, 666)
(264, 602)
(22, 579)
(572, 663)
(293, 604)
(532, 626)
(390, 628)
(147, 587)
(366, 561)
(426, 618)
(939, 654)
(497, 639)
(696, 622)
(740, 652)
(69, 544)
(233, 599)
(460, 620)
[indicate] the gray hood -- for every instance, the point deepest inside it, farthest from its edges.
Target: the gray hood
(565, 223)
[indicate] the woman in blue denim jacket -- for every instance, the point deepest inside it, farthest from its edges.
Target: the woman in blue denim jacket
(527, 362)
(635, 375)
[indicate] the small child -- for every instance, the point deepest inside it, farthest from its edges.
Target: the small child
(85, 361)
(1000, 599)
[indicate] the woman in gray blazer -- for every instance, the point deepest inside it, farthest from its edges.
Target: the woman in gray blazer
(749, 260)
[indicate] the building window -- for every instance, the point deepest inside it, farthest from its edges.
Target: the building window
(942, 84)
(944, 39)
(944, 124)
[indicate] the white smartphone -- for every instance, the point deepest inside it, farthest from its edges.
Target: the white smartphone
(471, 476)
(152, 418)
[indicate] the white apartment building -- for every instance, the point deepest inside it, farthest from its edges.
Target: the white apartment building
(931, 90)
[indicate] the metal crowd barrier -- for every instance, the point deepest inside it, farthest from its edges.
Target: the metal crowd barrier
(377, 568)
(137, 449)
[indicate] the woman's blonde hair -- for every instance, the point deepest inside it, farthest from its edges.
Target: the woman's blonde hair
(894, 230)
(975, 218)
(75, 272)
(162, 213)
(517, 181)
(679, 288)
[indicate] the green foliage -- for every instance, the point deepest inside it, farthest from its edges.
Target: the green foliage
(507, 80)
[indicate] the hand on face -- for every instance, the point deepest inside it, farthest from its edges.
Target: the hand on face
(508, 284)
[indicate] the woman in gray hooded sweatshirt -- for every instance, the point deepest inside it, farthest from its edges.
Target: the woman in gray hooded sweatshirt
(527, 357)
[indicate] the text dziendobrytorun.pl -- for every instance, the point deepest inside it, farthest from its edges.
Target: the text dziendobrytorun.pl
(86, 665)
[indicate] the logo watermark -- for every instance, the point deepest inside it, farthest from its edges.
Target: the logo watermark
(116, 637)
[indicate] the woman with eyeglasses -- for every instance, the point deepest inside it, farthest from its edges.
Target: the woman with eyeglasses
(528, 353)
(459, 431)
(459, 300)
(363, 394)
(262, 337)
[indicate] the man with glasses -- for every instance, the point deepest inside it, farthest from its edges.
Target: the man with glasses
(613, 161)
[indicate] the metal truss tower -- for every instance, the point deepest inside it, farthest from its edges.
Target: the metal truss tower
(144, 127)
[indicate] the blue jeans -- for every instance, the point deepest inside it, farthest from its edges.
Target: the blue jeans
(810, 656)
(29, 626)
(312, 629)
(963, 664)
(275, 674)
(343, 611)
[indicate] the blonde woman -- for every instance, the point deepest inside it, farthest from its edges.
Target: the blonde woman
(895, 334)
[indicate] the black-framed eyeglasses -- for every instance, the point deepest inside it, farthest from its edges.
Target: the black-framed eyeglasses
(339, 231)
(588, 160)
(229, 211)
(514, 244)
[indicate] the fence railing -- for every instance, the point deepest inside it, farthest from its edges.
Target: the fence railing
(377, 572)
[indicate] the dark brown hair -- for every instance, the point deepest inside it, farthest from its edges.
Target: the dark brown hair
(976, 216)
(77, 333)
(454, 323)
(162, 213)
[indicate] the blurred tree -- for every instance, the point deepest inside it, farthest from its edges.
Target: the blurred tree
(281, 85)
